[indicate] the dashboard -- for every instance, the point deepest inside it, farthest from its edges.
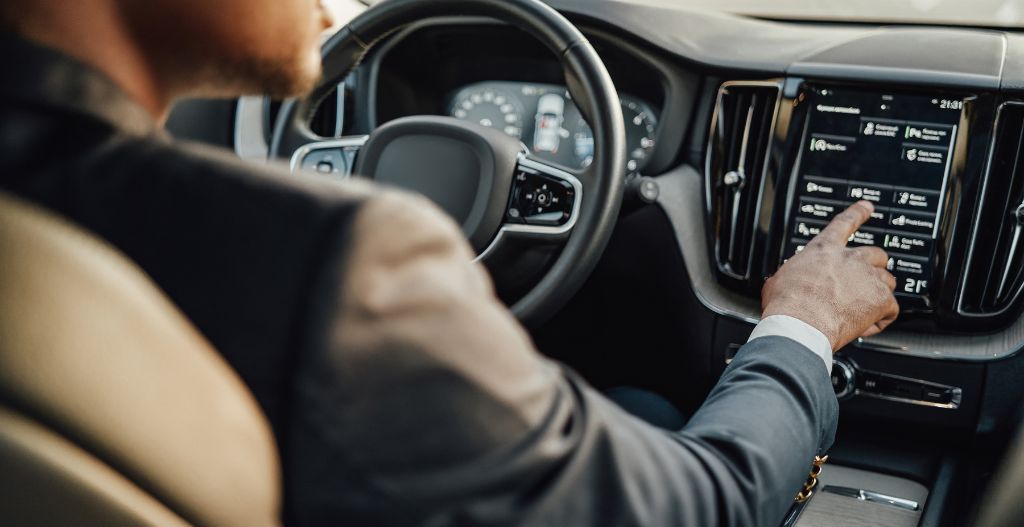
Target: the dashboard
(783, 129)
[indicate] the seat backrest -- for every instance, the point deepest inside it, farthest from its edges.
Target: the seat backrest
(113, 409)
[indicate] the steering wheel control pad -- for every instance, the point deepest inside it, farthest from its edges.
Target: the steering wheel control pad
(539, 199)
(464, 168)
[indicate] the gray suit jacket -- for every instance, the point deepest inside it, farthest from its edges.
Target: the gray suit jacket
(400, 389)
(430, 406)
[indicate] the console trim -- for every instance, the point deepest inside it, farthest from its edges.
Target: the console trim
(874, 497)
(956, 393)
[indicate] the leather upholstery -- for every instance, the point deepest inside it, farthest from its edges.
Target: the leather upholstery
(47, 480)
(106, 386)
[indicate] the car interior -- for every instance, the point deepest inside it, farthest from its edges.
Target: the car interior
(630, 200)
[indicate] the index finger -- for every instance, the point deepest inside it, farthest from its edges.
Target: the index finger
(846, 223)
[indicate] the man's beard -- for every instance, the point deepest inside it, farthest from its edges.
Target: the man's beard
(276, 78)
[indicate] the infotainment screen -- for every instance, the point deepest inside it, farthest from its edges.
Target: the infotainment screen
(893, 149)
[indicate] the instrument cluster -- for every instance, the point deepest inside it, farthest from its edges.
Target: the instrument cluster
(545, 119)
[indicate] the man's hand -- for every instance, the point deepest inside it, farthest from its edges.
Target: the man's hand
(843, 292)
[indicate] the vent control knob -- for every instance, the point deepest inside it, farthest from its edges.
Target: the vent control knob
(733, 178)
(844, 378)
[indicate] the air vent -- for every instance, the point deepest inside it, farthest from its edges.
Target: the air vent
(738, 147)
(995, 264)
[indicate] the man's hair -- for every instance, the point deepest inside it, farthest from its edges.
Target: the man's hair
(9, 15)
(14, 14)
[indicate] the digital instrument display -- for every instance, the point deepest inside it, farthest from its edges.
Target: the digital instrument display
(892, 149)
(545, 119)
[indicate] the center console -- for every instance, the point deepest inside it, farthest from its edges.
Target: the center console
(942, 167)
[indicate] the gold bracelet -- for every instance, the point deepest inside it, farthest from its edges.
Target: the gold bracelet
(812, 480)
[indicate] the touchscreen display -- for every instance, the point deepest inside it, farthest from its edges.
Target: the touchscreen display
(892, 149)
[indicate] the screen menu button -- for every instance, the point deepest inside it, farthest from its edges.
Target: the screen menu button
(812, 208)
(825, 210)
(868, 237)
(819, 187)
(920, 154)
(873, 192)
(915, 199)
(908, 243)
(928, 133)
(915, 222)
(808, 228)
(911, 274)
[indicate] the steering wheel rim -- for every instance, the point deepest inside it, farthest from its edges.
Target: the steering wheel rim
(588, 83)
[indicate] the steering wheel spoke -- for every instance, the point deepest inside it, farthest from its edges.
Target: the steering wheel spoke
(333, 157)
(544, 205)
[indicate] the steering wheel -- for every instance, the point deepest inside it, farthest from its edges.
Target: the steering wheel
(503, 198)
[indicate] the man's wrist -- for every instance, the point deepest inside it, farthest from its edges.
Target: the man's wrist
(797, 330)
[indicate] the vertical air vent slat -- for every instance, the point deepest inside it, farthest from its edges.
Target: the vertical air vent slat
(737, 159)
(994, 275)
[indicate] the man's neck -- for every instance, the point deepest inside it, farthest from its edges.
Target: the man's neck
(94, 32)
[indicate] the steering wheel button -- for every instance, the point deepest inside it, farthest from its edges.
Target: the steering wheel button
(546, 218)
(327, 161)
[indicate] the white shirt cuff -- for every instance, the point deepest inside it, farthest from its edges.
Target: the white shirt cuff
(798, 330)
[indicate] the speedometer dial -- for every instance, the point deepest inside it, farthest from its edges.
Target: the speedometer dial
(491, 108)
(641, 128)
(641, 125)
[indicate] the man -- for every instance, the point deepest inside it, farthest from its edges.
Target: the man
(401, 391)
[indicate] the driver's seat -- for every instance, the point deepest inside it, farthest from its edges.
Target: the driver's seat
(113, 409)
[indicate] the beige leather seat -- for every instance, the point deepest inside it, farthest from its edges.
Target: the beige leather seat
(113, 409)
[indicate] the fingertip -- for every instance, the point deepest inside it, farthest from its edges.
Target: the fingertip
(870, 207)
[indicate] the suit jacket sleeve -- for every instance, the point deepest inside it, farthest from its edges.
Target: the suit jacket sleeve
(427, 404)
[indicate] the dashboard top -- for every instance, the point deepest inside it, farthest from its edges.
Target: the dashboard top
(946, 56)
